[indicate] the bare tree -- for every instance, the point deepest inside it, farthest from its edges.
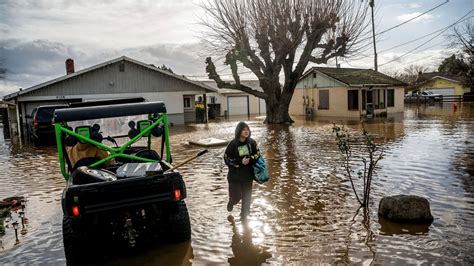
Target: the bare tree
(374, 153)
(410, 74)
(270, 37)
(462, 39)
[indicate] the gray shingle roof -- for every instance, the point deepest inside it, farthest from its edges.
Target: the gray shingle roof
(357, 76)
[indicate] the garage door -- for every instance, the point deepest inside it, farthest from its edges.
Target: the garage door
(443, 91)
(263, 106)
(238, 105)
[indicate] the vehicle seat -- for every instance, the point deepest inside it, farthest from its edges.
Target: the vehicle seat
(148, 154)
(85, 162)
(85, 175)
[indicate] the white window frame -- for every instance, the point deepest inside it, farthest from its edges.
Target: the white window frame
(190, 107)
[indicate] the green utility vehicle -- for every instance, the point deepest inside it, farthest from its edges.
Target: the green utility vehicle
(131, 192)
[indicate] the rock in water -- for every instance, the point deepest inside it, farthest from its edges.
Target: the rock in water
(405, 208)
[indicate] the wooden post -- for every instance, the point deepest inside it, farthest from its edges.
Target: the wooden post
(205, 107)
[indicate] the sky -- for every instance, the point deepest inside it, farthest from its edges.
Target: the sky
(37, 36)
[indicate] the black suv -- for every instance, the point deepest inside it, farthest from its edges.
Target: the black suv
(40, 124)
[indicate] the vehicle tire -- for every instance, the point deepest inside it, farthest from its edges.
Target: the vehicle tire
(74, 242)
(179, 226)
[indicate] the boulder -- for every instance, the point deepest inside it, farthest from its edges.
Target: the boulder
(405, 208)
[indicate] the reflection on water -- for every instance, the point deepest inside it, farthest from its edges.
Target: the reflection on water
(245, 252)
(305, 213)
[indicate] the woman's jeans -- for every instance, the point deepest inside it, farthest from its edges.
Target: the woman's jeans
(241, 191)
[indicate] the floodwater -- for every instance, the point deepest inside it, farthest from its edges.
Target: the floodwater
(306, 213)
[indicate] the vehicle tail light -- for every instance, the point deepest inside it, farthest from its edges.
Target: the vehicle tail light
(75, 211)
(177, 194)
(35, 123)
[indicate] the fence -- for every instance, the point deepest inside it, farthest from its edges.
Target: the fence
(443, 98)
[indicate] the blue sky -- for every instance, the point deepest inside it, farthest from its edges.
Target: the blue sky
(37, 36)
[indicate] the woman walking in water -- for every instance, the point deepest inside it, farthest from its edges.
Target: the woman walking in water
(240, 155)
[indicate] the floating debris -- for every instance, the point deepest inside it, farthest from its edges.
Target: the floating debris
(209, 142)
(6, 207)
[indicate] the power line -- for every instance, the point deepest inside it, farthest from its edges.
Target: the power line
(419, 46)
(462, 19)
(389, 29)
(424, 36)
(423, 58)
(404, 22)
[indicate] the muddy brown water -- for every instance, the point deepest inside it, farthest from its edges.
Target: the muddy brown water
(305, 214)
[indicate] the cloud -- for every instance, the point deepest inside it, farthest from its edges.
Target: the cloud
(105, 24)
(34, 62)
(430, 58)
(423, 18)
(413, 5)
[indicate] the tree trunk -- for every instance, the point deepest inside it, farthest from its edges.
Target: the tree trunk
(277, 109)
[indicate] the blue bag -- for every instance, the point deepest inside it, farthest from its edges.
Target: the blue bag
(260, 170)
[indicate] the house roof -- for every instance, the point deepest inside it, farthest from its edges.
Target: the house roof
(356, 76)
(443, 75)
(252, 83)
(106, 63)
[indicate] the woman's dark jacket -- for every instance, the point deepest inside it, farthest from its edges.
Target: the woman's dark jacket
(235, 152)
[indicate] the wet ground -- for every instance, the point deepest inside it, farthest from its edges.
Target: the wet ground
(306, 213)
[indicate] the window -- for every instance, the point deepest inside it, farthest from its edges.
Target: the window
(353, 99)
(379, 99)
(391, 98)
(213, 99)
(122, 66)
(382, 99)
(187, 103)
(323, 99)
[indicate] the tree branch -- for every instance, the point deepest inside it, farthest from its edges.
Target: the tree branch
(212, 74)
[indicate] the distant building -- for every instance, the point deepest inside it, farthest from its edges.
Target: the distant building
(119, 78)
(347, 92)
(235, 102)
(441, 83)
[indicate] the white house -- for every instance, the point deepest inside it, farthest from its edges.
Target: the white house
(347, 92)
(119, 78)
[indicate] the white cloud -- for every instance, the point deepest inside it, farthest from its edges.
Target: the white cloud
(413, 5)
(30, 63)
(423, 18)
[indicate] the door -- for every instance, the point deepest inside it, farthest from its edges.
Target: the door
(238, 105)
(262, 105)
(369, 104)
(443, 91)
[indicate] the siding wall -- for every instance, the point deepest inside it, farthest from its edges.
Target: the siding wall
(109, 80)
(189, 117)
(173, 100)
(320, 81)
(109, 83)
(338, 102)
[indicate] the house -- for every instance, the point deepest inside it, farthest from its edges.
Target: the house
(347, 92)
(120, 78)
(235, 102)
(442, 83)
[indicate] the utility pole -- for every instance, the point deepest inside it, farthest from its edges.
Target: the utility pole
(372, 4)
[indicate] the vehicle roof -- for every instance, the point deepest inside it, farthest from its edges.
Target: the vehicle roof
(51, 106)
(106, 111)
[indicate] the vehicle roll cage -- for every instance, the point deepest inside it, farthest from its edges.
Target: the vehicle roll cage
(156, 114)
